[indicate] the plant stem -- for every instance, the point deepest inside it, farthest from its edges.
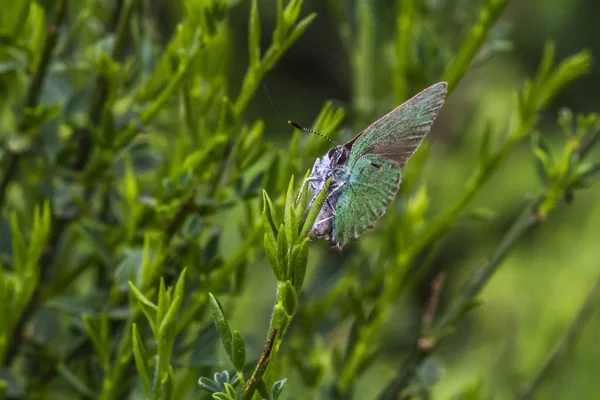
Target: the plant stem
(526, 221)
(34, 92)
(363, 60)
(590, 304)
(261, 367)
(404, 29)
(488, 16)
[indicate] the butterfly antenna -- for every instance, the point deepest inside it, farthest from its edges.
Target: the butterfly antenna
(295, 125)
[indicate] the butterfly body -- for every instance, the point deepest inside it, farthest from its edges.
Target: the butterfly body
(366, 172)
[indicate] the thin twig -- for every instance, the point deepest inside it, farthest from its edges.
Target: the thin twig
(591, 302)
(425, 343)
(261, 367)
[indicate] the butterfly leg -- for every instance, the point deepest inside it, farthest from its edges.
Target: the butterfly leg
(330, 206)
(307, 180)
(324, 220)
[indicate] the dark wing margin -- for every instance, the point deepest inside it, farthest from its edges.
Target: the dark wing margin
(398, 134)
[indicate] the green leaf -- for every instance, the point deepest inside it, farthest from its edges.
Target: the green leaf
(282, 250)
(221, 324)
(99, 340)
(289, 297)
(313, 213)
(299, 262)
(171, 316)
(141, 357)
(164, 301)
(222, 396)
(200, 157)
(268, 215)
(278, 388)
(566, 72)
(301, 203)
(270, 245)
(300, 28)
(290, 219)
(239, 351)
(230, 390)
(148, 308)
(208, 384)
(263, 390)
(280, 319)
(75, 382)
(544, 162)
(19, 248)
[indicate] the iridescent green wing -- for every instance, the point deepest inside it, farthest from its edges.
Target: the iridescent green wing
(398, 134)
(374, 181)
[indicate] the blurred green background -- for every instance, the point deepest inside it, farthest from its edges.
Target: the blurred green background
(532, 300)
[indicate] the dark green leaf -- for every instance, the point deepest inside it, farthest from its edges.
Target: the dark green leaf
(149, 308)
(239, 351)
(278, 388)
(141, 357)
(299, 262)
(289, 297)
(314, 210)
(282, 249)
(289, 217)
(221, 324)
(209, 385)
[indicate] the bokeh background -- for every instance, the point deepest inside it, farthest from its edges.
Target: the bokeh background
(535, 296)
(533, 299)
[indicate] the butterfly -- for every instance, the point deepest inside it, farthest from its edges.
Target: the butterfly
(366, 172)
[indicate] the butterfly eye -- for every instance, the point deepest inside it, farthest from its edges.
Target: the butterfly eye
(379, 167)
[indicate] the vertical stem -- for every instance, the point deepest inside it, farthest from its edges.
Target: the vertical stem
(261, 367)
(488, 16)
(403, 43)
(364, 58)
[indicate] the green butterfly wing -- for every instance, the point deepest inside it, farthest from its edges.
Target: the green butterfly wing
(397, 134)
(374, 181)
(377, 155)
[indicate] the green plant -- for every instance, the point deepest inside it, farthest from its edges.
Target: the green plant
(135, 190)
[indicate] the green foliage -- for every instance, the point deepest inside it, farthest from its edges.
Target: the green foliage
(133, 172)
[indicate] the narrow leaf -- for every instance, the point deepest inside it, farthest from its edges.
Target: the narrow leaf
(148, 307)
(221, 324)
(313, 213)
(290, 298)
(141, 357)
(290, 219)
(299, 262)
(239, 351)
(282, 249)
